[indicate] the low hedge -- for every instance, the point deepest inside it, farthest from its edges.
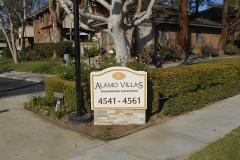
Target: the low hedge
(68, 88)
(46, 50)
(7, 53)
(174, 81)
(201, 98)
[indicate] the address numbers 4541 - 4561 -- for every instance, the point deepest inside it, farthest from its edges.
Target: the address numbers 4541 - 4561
(114, 100)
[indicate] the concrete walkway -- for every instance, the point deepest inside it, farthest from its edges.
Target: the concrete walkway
(176, 139)
(23, 135)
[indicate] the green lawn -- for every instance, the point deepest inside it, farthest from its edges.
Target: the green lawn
(227, 148)
(218, 60)
(35, 67)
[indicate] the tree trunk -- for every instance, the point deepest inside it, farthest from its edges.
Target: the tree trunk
(129, 33)
(23, 31)
(172, 4)
(183, 26)
(14, 55)
(55, 10)
(120, 42)
(225, 22)
(13, 44)
(129, 36)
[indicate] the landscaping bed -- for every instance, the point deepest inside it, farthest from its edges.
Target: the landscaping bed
(172, 91)
(103, 132)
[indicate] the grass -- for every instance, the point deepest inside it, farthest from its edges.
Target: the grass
(35, 67)
(107, 133)
(218, 60)
(227, 148)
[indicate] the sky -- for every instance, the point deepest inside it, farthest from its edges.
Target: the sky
(201, 8)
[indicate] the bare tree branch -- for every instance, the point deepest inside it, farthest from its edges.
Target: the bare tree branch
(84, 26)
(237, 20)
(18, 14)
(234, 24)
(82, 13)
(145, 16)
(105, 4)
(126, 7)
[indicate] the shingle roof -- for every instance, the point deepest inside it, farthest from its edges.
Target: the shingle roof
(205, 23)
(160, 12)
(215, 14)
(38, 11)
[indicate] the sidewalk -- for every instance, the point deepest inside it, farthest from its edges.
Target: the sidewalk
(176, 139)
(24, 135)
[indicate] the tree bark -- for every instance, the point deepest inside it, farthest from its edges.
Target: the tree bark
(120, 44)
(225, 23)
(13, 44)
(23, 31)
(55, 11)
(183, 26)
(172, 3)
(129, 33)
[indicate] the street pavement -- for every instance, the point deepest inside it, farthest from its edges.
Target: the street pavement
(12, 87)
(24, 135)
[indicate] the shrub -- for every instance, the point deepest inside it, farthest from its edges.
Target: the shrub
(201, 98)
(46, 50)
(205, 51)
(147, 53)
(39, 51)
(7, 53)
(175, 52)
(38, 101)
(166, 53)
(68, 73)
(230, 49)
(235, 42)
(68, 88)
(174, 81)
(64, 47)
(91, 50)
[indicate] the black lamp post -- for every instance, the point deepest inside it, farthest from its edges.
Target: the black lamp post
(79, 117)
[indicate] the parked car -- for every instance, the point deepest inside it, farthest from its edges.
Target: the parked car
(1, 56)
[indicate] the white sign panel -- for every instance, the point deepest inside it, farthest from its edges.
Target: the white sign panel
(118, 88)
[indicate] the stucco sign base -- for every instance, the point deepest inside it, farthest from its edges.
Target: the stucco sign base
(119, 116)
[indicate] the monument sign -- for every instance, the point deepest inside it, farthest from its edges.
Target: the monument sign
(118, 91)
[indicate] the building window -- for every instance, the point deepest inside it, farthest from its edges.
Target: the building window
(43, 19)
(199, 37)
(164, 35)
(52, 38)
(45, 39)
